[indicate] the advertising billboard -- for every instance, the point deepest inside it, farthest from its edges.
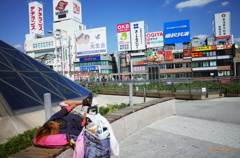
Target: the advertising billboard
(36, 18)
(155, 56)
(168, 55)
(67, 9)
(124, 39)
(177, 32)
(86, 68)
(222, 25)
(187, 53)
(137, 35)
(204, 48)
(91, 41)
(154, 39)
(90, 58)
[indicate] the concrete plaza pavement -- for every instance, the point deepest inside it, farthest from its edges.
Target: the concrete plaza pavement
(200, 129)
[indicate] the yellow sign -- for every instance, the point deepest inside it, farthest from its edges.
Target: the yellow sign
(205, 48)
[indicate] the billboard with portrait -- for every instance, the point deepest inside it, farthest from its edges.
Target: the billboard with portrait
(91, 41)
(177, 32)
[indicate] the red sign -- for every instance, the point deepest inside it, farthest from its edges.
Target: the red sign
(187, 53)
(168, 55)
(140, 63)
(223, 37)
(32, 18)
(40, 18)
(61, 5)
(76, 8)
(123, 27)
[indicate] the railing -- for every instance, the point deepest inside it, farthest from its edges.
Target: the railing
(191, 86)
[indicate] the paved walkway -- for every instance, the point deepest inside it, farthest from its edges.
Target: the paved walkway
(191, 133)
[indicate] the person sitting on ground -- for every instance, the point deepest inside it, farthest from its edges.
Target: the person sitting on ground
(63, 127)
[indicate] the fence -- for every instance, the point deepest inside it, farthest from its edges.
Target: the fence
(170, 88)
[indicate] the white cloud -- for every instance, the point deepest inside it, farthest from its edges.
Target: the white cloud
(18, 46)
(237, 40)
(202, 37)
(193, 3)
(225, 3)
(167, 2)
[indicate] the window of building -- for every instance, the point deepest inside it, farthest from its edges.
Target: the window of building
(169, 66)
(178, 65)
(178, 55)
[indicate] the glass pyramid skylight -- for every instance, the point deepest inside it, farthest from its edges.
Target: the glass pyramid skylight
(23, 81)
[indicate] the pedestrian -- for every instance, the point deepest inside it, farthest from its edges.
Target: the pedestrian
(104, 81)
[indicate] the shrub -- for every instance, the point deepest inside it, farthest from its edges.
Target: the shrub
(17, 143)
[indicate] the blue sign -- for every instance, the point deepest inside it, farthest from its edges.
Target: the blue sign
(89, 58)
(86, 68)
(177, 32)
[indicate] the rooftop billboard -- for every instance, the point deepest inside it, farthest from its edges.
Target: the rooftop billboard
(177, 32)
(137, 35)
(154, 39)
(68, 9)
(36, 18)
(222, 25)
(91, 41)
(124, 39)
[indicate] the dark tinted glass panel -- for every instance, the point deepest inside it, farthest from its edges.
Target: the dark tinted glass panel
(4, 67)
(40, 90)
(13, 79)
(83, 91)
(7, 49)
(64, 89)
(16, 99)
(38, 65)
(40, 79)
(18, 65)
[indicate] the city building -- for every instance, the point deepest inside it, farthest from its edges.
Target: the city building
(215, 57)
(68, 42)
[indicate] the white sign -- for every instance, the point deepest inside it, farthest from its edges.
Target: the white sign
(154, 39)
(67, 9)
(124, 39)
(137, 35)
(36, 18)
(222, 25)
(91, 41)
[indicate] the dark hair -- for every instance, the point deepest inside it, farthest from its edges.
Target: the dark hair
(80, 36)
(47, 129)
(86, 36)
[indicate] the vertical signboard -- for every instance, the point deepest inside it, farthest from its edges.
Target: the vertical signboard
(154, 39)
(124, 39)
(67, 9)
(91, 41)
(36, 18)
(137, 35)
(168, 55)
(222, 25)
(177, 32)
(187, 52)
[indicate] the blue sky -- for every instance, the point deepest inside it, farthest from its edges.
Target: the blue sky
(108, 13)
